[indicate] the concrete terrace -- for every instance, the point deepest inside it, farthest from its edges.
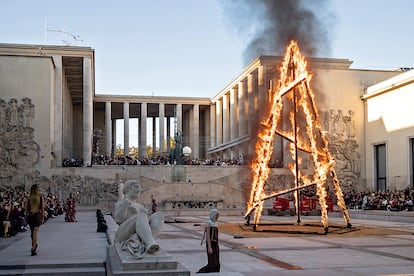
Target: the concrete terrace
(77, 249)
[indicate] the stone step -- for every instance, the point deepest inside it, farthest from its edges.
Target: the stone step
(56, 271)
(52, 264)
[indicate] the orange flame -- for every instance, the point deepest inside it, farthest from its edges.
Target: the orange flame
(294, 83)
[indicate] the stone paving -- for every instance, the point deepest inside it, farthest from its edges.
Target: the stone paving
(309, 255)
(64, 249)
(76, 248)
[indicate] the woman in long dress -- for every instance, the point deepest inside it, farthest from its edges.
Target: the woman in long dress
(212, 244)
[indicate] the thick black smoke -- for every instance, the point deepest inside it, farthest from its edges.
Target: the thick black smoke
(269, 25)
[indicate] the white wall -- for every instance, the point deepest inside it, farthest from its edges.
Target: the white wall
(390, 120)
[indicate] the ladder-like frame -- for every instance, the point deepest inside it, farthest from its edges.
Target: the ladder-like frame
(294, 86)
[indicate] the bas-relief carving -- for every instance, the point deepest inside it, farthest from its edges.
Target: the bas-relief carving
(343, 146)
(338, 125)
(19, 153)
(18, 150)
(88, 191)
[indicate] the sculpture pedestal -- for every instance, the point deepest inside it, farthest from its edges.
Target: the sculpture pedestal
(122, 263)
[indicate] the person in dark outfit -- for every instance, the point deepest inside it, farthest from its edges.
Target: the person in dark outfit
(212, 244)
(154, 205)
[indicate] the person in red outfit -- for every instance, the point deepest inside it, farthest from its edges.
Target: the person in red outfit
(70, 209)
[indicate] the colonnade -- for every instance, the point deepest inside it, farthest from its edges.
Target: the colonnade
(162, 133)
(235, 113)
(219, 127)
(166, 117)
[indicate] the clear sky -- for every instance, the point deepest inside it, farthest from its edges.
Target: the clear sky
(190, 47)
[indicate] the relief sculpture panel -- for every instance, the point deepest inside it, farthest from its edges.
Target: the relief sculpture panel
(18, 150)
(343, 146)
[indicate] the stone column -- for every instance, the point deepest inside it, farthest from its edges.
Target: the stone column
(168, 135)
(242, 124)
(250, 102)
(226, 119)
(233, 121)
(251, 118)
(213, 125)
(161, 125)
(179, 115)
(57, 147)
(233, 114)
(87, 110)
(143, 131)
(189, 127)
(154, 135)
(196, 131)
(262, 90)
(205, 131)
(108, 129)
(219, 123)
(138, 125)
(126, 129)
(113, 152)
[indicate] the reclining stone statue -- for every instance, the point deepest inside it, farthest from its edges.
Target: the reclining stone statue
(137, 230)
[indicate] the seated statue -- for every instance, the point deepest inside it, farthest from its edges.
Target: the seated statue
(137, 230)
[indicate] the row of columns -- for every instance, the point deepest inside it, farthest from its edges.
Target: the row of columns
(192, 128)
(61, 148)
(231, 117)
(234, 114)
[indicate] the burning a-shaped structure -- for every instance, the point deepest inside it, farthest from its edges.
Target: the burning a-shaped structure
(304, 134)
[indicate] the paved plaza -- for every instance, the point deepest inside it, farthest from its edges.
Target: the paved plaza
(77, 249)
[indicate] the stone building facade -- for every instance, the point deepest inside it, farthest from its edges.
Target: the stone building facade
(49, 111)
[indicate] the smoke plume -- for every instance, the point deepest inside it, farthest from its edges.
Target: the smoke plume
(269, 25)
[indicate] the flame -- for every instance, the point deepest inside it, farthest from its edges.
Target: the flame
(294, 85)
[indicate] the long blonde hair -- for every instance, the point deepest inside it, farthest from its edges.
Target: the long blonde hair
(34, 199)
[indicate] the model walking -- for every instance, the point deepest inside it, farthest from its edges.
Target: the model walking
(35, 215)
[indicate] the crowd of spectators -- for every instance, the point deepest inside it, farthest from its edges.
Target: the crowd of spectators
(391, 200)
(164, 159)
(72, 161)
(13, 205)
